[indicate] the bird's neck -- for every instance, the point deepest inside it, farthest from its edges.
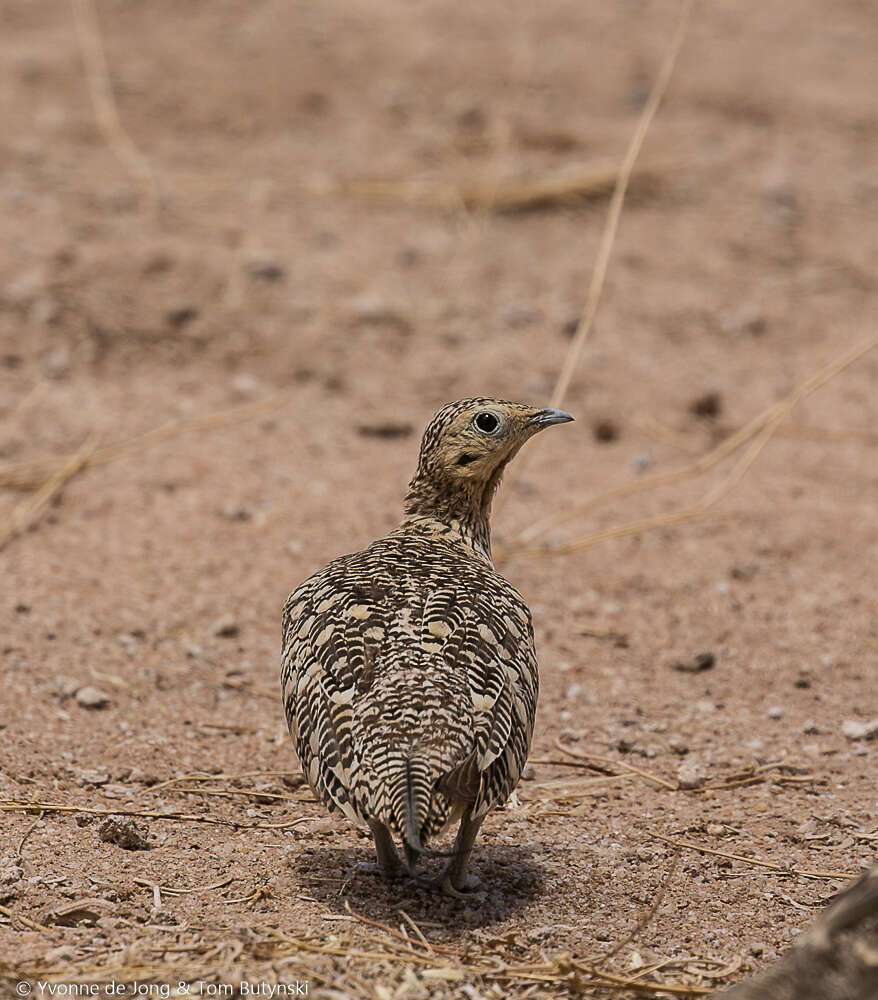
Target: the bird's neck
(461, 508)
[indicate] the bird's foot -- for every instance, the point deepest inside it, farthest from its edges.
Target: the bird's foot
(467, 885)
(389, 872)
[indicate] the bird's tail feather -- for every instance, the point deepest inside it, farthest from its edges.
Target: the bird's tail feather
(412, 807)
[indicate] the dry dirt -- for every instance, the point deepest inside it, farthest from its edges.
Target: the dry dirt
(744, 262)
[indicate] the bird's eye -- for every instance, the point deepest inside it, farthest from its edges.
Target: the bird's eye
(486, 422)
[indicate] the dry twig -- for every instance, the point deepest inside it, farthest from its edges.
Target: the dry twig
(104, 102)
(757, 432)
(778, 869)
(28, 511)
(614, 212)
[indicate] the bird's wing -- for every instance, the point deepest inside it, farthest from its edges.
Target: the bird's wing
(333, 625)
(496, 649)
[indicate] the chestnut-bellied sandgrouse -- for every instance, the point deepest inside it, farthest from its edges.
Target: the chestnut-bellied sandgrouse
(409, 671)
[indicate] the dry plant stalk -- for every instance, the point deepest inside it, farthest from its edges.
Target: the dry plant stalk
(608, 237)
(492, 194)
(11, 805)
(770, 865)
(614, 212)
(28, 511)
(104, 102)
(757, 431)
(30, 474)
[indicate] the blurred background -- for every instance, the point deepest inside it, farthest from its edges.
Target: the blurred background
(299, 228)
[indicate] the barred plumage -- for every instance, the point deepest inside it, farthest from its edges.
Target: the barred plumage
(409, 671)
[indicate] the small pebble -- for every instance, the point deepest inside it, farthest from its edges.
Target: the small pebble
(264, 267)
(125, 833)
(226, 628)
(59, 956)
(605, 430)
(246, 386)
(689, 775)
(775, 712)
(854, 730)
(93, 777)
(92, 698)
(699, 663)
(709, 405)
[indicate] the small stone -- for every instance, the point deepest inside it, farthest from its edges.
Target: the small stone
(125, 833)
(57, 364)
(92, 698)
(538, 933)
(699, 663)
(775, 712)
(25, 288)
(386, 429)
(854, 730)
(810, 728)
(93, 777)
(689, 775)
(605, 430)
(59, 956)
(80, 911)
(246, 386)
(371, 310)
(264, 267)
(757, 948)
(678, 746)
(10, 874)
(226, 628)
(64, 686)
(715, 830)
(181, 316)
(235, 512)
(709, 405)
(294, 779)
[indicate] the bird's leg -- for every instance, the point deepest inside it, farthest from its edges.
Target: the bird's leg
(455, 880)
(388, 863)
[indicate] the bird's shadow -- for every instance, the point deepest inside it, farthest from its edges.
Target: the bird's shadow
(510, 880)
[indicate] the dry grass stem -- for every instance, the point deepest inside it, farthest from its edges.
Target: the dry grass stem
(772, 866)
(645, 920)
(223, 777)
(28, 511)
(10, 805)
(491, 194)
(171, 891)
(654, 778)
(34, 473)
(757, 431)
(103, 100)
(614, 212)
(17, 917)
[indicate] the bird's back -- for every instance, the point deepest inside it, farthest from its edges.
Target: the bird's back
(410, 682)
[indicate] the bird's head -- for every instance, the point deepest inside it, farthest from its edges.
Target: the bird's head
(465, 449)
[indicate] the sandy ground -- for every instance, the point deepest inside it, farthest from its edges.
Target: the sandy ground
(141, 611)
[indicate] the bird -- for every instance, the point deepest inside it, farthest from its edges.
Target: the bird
(409, 674)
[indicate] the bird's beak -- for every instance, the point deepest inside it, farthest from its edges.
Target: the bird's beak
(544, 418)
